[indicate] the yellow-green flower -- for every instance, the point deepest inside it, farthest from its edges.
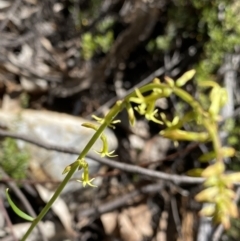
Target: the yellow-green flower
(85, 179)
(101, 121)
(104, 153)
(151, 117)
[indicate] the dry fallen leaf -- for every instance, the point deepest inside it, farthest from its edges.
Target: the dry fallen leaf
(126, 229)
(109, 221)
(141, 219)
(162, 230)
(59, 207)
(135, 223)
(4, 4)
(47, 227)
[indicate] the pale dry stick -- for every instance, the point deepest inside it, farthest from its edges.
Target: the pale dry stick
(177, 179)
(176, 216)
(10, 13)
(189, 148)
(8, 221)
(16, 41)
(24, 201)
(162, 229)
(25, 138)
(26, 71)
(121, 201)
(56, 182)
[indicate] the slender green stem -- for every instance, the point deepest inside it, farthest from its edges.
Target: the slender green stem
(147, 88)
(209, 124)
(213, 132)
(50, 202)
(189, 99)
(107, 120)
(110, 116)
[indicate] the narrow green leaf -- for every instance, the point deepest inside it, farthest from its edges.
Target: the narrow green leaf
(225, 151)
(206, 157)
(17, 210)
(196, 172)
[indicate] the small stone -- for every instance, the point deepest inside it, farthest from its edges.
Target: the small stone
(55, 129)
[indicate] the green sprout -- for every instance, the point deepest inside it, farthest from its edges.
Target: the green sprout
(13, 160)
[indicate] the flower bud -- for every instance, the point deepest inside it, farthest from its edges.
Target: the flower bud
(130, 112)
(233, 177)
(169, 81)
(180, 135)
(185, 78)
(208, 194)
(215, 169)
(215, 97)
(208, 210)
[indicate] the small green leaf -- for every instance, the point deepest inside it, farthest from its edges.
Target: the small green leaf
(225, 151)
(17, 210)
(206, 157)
(67, 169)
(196, 172)
(90, 125)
